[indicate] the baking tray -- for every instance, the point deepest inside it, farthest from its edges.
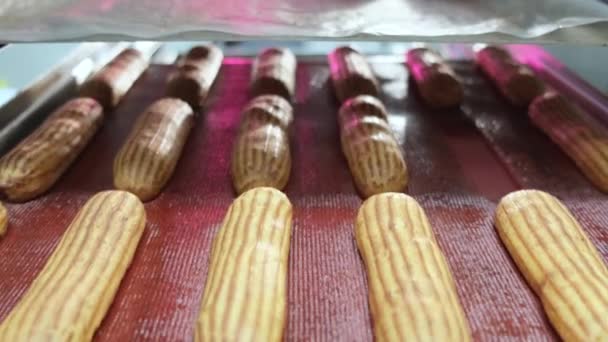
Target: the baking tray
(456, 175)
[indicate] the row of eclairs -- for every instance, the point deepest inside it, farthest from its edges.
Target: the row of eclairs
(245, 295)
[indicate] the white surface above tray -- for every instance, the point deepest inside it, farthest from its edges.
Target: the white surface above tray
(429, 20)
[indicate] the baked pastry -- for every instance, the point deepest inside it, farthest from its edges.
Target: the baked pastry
(373, 153)
(437, 83)
(274, 73)
(110, 84)
(245, 296)
(559, 262)
(412, 296)
(261, 154)
(586, 144)
(351, 75)
(517, 83)
(71, 295)
(148, 157)
(35, 164)
(3, 219)
(195, 74)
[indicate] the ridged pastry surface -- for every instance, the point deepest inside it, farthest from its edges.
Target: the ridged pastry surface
(3, 219)
(274, 73)
(586, 144)
(515, 81)
(110, 84)
(245, 297)
(196, 72)
(261, 154)
(36, 163)
(148, 157)
(559, 262)
(351, 74)
(70, 296)
(437, 83)
(373, 153)
(412, 295)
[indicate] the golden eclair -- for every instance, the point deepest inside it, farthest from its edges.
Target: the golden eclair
(437, 84)
(412, 295)
(351, 75)
(559, 262)
(373, 153)
(274, 73)
(70, 296)
(195, 75)
(585, 143)
(517, 83)
(245, 297)
(35, 164)
(261, 154)
(110, 84)
(148, 157)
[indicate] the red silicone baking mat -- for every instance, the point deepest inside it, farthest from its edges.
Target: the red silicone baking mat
(455, 175)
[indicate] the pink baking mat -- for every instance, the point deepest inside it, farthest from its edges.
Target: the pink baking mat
(455, 174)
